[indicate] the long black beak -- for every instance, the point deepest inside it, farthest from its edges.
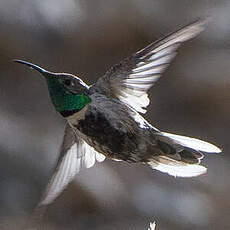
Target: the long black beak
(36, 67)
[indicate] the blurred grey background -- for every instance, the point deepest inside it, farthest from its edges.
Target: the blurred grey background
(86, 37)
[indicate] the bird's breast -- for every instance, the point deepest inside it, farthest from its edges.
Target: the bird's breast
(113, 137)
(76, 117)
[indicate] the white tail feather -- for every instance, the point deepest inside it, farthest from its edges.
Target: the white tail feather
(176, 168)
(194, 143)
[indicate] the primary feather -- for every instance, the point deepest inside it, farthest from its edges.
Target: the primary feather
(75, 155)
(130, 80)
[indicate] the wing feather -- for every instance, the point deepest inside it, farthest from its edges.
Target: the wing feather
(130, 80)
(75, 155)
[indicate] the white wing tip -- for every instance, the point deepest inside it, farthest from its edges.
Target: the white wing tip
(195, 28)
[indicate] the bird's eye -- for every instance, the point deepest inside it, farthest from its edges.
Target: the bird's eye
(67, 82)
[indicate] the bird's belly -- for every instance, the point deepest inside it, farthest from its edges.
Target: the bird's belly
(82, 131)
(112, 140)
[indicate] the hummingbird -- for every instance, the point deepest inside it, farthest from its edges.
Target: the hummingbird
(104, 120)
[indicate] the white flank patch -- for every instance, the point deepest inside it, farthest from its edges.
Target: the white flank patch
(194, 143)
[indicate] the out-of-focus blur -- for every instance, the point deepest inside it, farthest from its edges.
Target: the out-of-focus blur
(86, 37)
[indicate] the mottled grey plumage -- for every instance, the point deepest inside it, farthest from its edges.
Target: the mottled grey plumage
(110, 125)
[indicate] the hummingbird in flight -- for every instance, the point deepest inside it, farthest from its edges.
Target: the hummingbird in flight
(104, 121)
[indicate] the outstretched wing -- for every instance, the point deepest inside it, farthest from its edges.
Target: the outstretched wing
(75, 155)
(130, 80)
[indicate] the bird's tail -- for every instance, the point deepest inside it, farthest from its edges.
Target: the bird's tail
(182, 155)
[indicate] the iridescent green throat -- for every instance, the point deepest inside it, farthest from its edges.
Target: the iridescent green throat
(63, 99)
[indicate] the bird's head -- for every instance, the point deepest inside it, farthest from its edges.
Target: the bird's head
(68, 93)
